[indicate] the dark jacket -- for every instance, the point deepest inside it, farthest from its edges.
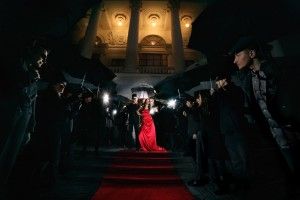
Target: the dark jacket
(132, 112)
(276, 103)
(230, 105)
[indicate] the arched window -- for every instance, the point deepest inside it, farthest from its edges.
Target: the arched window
(153, 41)
(153, 58)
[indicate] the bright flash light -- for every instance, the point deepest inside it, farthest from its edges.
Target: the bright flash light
(187, 25)
(153, 110)
(172, 103)
(114, 112)
(105, 98)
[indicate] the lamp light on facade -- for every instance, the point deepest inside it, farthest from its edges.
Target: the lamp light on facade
(120, 19)
(186, 20)
(152, 43)
(153, 18)
(120, 23)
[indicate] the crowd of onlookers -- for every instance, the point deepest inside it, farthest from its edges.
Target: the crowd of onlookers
(42, 125)
(236, 128)
(221, 129)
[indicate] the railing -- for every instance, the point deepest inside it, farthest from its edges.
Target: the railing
(146, 69)
(155, 70)
(117, 69)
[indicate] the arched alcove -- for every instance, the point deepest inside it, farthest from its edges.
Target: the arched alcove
(153, 41)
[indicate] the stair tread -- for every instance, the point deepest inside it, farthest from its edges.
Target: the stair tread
(142, 177)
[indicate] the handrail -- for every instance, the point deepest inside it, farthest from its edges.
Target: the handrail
(146, 69)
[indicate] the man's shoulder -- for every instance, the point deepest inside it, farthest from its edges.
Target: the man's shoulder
(128, 105)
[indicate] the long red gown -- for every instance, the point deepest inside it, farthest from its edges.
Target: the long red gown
(147, 135)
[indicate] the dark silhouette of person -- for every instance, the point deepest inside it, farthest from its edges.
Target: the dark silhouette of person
(233, 126)
(133, 121)
(86, 120)
(51, 120)
(260, 82)
(259, 78)
(17, 106)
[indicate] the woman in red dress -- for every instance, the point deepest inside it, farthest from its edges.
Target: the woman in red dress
(147, 135)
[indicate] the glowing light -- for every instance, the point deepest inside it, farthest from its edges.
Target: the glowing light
(120, 19)
(152, 42)
(153, 110)
(142, 95)
(154, 19)
(114, 112)
(186, 20)
(120, 23)
(172, 103)
(105, 98)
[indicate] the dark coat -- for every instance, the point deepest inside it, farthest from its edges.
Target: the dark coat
(193, 120)
(277, 93)
(230, 105)
(215, 140)
(132, 112)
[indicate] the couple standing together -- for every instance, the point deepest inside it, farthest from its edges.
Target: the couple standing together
(145, 131)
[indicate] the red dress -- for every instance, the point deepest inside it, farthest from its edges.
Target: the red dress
(147, 135)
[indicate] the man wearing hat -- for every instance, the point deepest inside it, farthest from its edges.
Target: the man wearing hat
(230, 101)
(17, 105)
(259, 80)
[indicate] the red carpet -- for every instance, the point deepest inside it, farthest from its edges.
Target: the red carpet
(142, 175)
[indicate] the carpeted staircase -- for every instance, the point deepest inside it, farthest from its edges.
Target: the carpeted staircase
(142, 175)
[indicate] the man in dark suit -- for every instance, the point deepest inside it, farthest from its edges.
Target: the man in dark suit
(229, 99)
(133, 121)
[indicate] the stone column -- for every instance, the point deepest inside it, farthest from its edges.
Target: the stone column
(91, 32)
(131, 61)
(177, 43)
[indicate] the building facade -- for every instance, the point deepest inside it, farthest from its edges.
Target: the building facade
(140, 40)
